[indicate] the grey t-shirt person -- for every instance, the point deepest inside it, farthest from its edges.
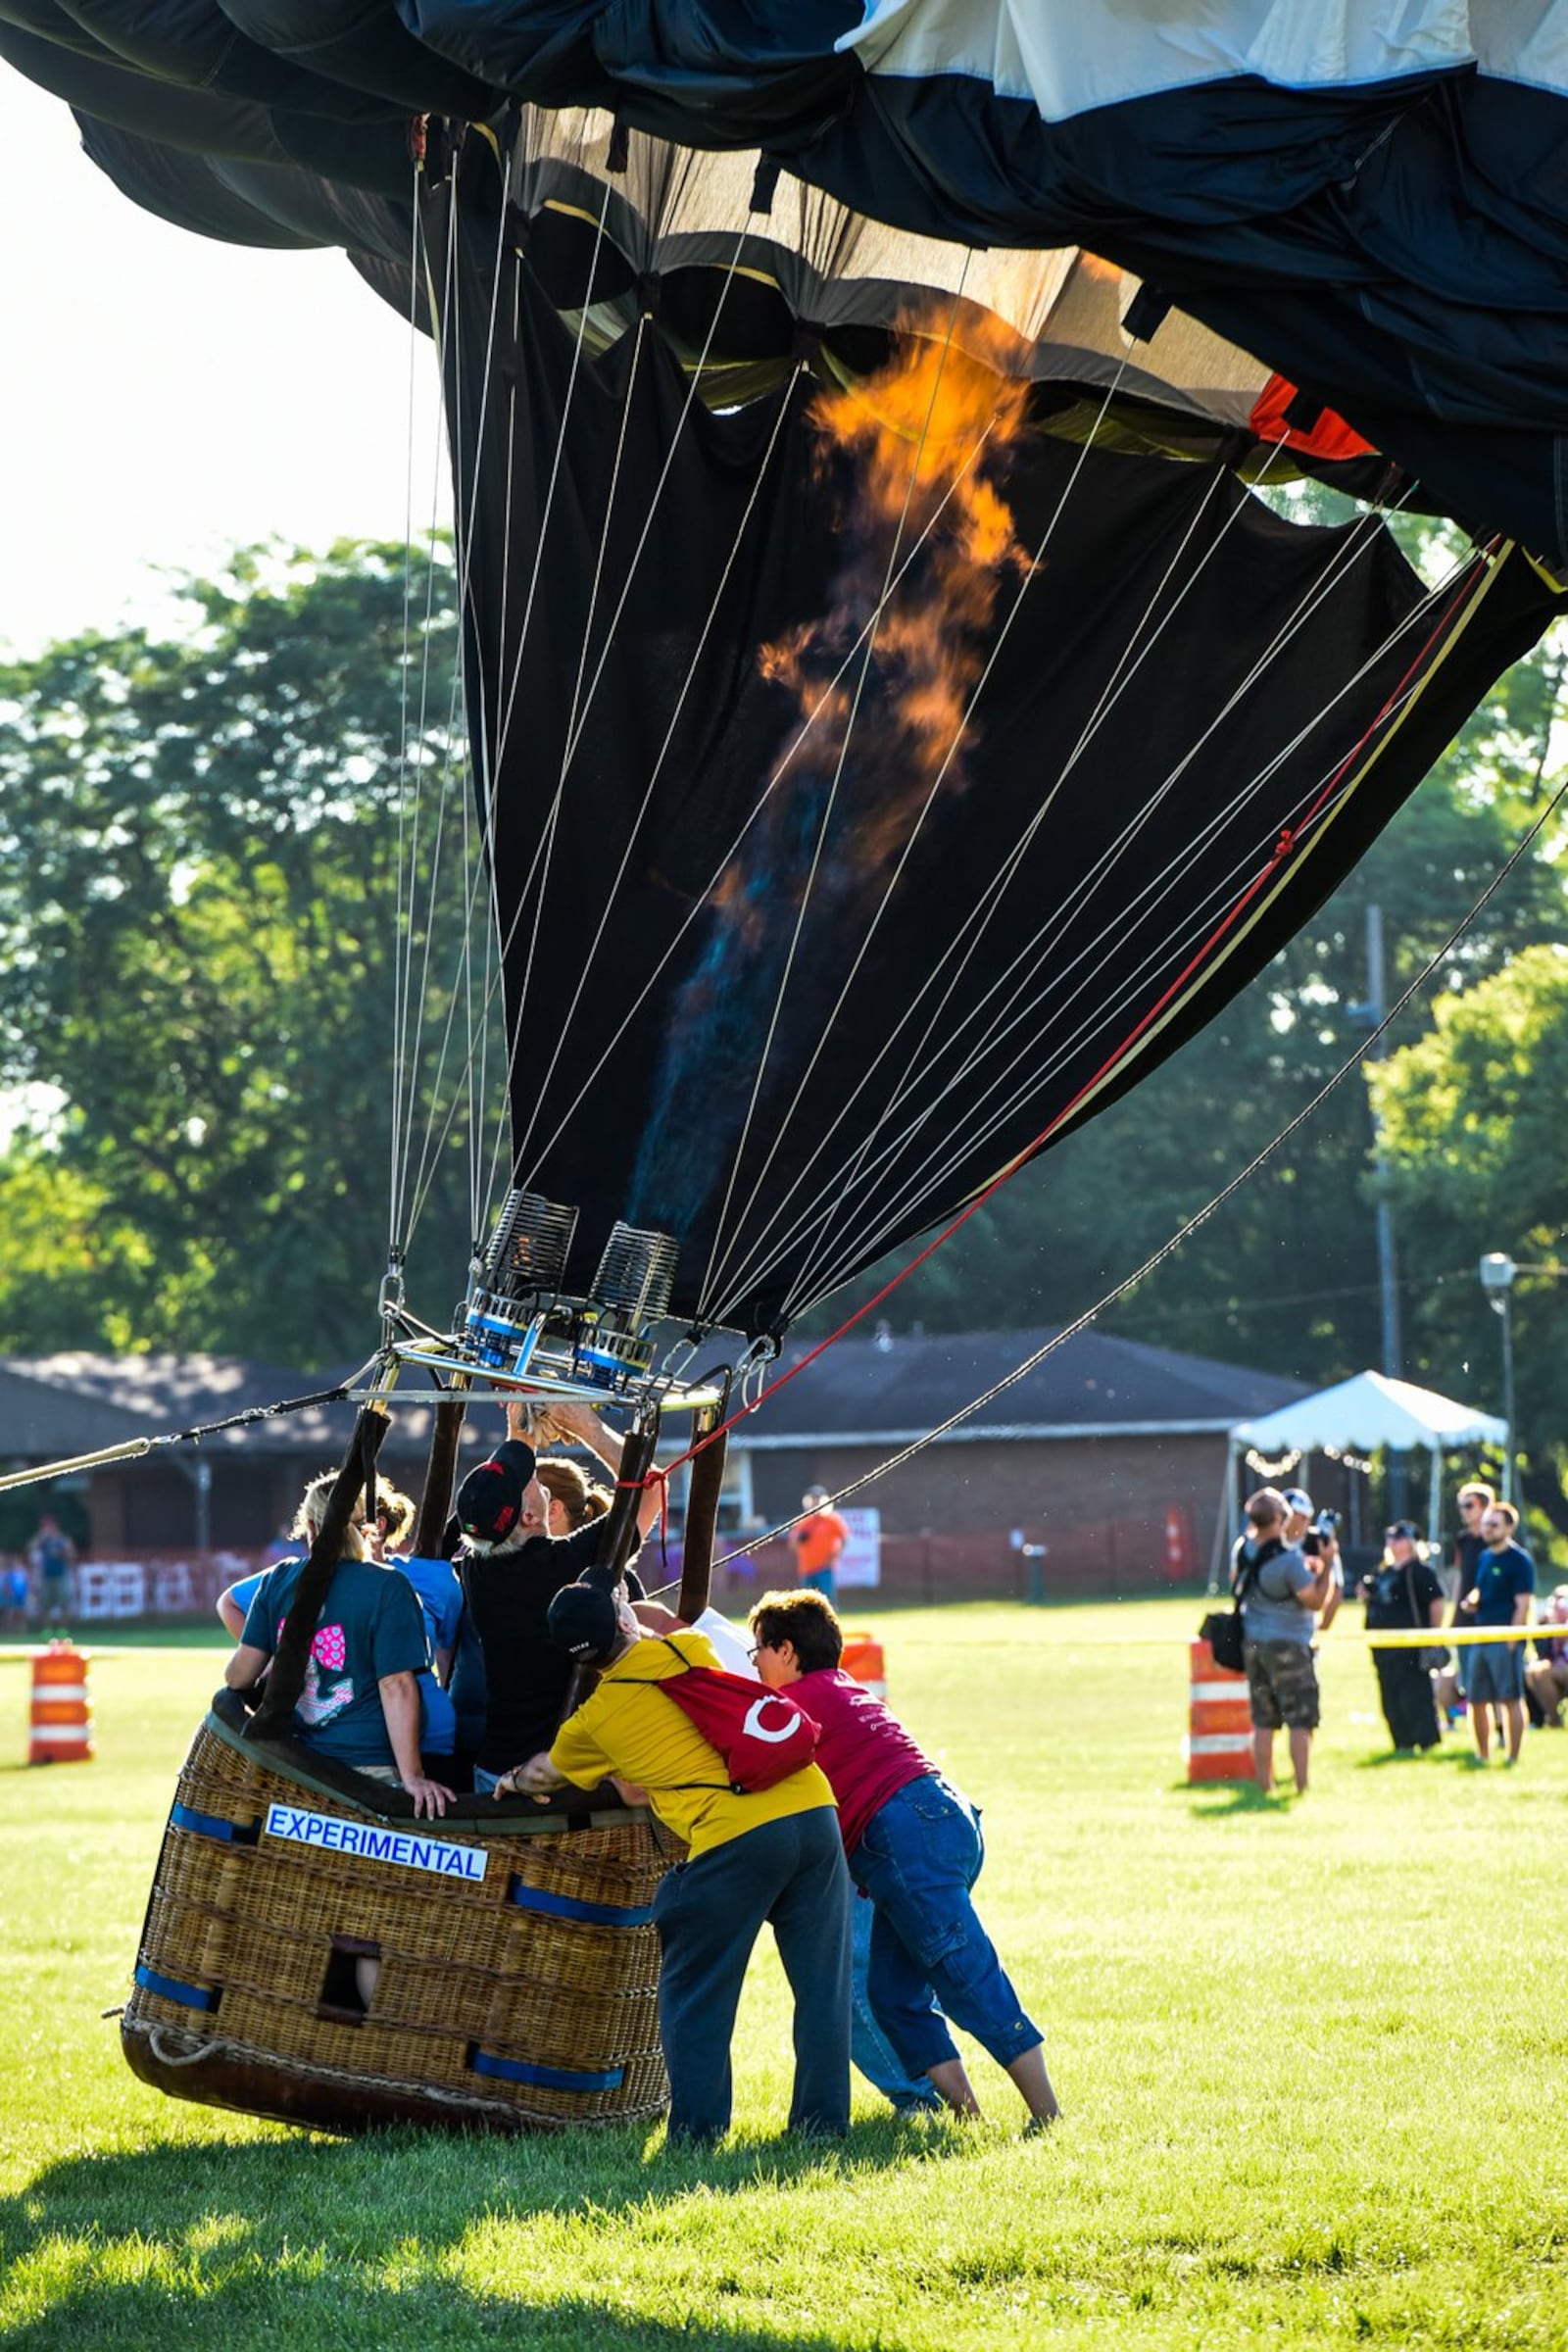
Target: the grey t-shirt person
(1270, 1610)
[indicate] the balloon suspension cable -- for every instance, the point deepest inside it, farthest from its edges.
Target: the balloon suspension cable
(1284, 849)
(1288, 840)
(1033, 959)
(1173, 1242)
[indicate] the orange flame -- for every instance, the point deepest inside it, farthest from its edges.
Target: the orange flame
(924, 435)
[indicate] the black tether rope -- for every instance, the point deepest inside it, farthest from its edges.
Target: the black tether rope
(132, 1448)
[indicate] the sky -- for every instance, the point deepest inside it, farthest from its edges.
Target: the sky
(164, 399)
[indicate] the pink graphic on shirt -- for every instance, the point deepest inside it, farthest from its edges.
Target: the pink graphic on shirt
(330, 1648)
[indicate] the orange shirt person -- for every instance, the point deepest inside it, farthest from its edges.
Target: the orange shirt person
(818, 1541)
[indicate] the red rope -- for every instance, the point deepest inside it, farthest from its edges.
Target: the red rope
(1284, 848)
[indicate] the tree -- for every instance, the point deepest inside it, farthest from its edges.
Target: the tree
(199, 898)
(1473, 1123)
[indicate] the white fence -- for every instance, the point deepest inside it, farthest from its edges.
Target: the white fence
(174, 1588)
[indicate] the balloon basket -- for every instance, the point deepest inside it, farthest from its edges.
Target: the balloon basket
(313, 1953)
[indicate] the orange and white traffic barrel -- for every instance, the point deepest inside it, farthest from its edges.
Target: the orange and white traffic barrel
(862, 1658)
(62, 1715)
(1219, 1721)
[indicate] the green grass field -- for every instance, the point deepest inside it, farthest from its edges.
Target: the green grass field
(1312, 2057)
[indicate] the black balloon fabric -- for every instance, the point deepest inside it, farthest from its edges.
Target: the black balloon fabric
(837, 984)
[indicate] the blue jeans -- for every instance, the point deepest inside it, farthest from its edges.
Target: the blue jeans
(870, 2051)
(931, 1959)
(821, 1581)
(485, 1784)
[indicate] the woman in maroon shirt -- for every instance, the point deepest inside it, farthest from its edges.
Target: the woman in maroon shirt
(913, 1845)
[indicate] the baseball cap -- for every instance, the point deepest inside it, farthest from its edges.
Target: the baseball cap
(582, 1621)
(1297, 1498)
(490, 1497)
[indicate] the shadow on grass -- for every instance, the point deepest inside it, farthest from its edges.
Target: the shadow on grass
(1409, 1755)
(1220, 1800)
(360, 2243)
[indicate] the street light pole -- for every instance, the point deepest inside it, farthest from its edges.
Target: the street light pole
(1498, 1270)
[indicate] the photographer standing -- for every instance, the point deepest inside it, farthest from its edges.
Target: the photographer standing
(1317, 1540)
(1280, 1600)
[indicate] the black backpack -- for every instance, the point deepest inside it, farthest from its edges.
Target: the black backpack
(1221, 1629)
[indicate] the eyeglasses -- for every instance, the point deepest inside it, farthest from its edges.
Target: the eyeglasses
(758, 1649)
(1469, 1503)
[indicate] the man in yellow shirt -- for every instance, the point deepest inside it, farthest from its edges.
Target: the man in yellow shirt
(774, 1854)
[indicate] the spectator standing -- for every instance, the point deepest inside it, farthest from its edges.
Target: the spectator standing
(1502, 1595)
(1316, 1539)
(1280, 1595)
(15, 1591)
(52, 1556)
(1404, 1594)
(820, 1539)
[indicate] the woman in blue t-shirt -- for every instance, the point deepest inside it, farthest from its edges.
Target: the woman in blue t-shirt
(359, 1700)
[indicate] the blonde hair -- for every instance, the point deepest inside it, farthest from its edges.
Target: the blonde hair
(578, 1497)
(313, 1510)
(397, 1509)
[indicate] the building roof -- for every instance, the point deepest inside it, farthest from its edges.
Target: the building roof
(896, 1387)
(53, 1406)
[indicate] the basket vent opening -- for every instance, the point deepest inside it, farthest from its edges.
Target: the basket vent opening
(352, 1970)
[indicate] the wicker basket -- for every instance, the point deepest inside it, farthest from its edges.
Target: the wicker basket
(519, 1967)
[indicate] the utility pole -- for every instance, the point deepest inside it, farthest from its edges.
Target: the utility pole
(1388, 1264)
(1374, 1011)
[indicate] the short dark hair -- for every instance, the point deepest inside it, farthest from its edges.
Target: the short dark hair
(807, 1619)
(1267, 1508)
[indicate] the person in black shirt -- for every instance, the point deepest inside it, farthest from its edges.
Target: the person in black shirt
(1474, 1501)
(511, 1573)
(1404, 1595)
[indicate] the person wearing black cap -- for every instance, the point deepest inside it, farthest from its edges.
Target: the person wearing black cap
(510, 1572)
(1404, 1594)
(771, 1855)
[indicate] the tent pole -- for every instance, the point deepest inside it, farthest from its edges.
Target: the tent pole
(1222, 1524)
(1435, 1493)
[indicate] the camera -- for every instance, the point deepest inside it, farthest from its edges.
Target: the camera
(1327, 1523)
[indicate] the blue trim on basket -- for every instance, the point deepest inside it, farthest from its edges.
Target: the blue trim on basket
(542, 2077)
(189, 1997)
(212, 1825)
(567, 1906)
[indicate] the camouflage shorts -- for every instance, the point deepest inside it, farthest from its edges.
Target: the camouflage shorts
(1282, 1685)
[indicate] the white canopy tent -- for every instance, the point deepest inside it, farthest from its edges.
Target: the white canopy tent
(1358, 1416)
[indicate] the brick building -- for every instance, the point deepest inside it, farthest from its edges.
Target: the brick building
(1110, 1452)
